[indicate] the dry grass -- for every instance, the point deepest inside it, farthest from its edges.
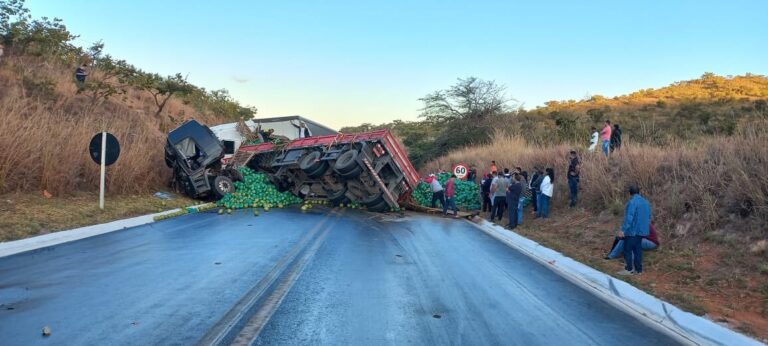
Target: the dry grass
(25, 215)
(710, 205)
(47, 126)
(710, 184)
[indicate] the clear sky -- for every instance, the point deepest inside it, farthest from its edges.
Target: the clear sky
(348, 62)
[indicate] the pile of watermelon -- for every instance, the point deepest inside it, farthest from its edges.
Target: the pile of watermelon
(256, 191)
(467, 193)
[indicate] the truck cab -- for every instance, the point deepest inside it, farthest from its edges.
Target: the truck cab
(194, 153)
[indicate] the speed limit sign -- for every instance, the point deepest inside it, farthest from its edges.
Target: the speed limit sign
(460, 171)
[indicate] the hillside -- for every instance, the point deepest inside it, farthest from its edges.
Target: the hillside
(48, 119)
(686, 110)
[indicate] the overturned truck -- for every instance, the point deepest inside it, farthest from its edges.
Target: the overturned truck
(369, 168)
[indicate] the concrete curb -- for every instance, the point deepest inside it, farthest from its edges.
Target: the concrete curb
(685, 327)
(56, 238)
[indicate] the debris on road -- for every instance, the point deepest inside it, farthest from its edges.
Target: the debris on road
(163, 195)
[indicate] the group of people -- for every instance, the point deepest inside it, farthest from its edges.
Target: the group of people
(510, 191)
(609, 138)
(446, 196)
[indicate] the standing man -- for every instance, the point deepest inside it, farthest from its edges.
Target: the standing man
(513, 200)
(593, 141)
(485, 191)
(437, 191)
(494, 169)
(450, 189)
(472, 174)
(573, 177)
(304, 131)
(80, 74)
(637, 223)
(605, 135)
(499, 193)
(536, 180)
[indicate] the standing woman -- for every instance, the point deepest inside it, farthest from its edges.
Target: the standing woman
(547, 188)
(524, 194)
(616, 138)
(485, 192)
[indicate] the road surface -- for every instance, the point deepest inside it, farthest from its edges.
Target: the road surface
(324, 277)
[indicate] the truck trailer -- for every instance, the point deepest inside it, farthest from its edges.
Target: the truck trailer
(369, 168)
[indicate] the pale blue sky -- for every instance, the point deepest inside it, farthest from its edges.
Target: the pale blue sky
(349, 62)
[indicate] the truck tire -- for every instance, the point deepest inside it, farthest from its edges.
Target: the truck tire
(337, 197)
(346, 162)
(234, 174)
(356, 191)
(354, 173)
(373, 200)
(379, 207)
(221, 186)
(312, 166)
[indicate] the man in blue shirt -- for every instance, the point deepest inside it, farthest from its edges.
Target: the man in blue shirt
(637, 222)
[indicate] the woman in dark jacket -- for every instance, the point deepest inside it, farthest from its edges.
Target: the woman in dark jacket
(616, 137)
(485, 191)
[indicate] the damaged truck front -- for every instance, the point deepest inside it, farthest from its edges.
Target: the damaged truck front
(195, 155)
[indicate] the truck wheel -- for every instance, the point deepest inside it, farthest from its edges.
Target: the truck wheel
(354, 173)
(312, 166)
(379, 207)
(346, 163)
(355, 190)
(235, 174)
(373, 200)
(221, 186)
(338, 197)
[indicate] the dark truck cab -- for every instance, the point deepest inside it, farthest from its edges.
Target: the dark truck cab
(194, 153)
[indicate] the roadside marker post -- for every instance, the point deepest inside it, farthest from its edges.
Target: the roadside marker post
(104, 149)
(103, 169)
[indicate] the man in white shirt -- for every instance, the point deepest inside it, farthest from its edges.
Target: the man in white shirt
(437, 191)
(593, 140)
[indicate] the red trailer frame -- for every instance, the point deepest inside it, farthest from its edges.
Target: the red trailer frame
(385, 136)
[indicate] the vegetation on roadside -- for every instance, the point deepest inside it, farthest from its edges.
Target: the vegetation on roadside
(26, 215)
(472, 111)
(710, 204)
(48, 119)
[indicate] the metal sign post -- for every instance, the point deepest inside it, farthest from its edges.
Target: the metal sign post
(104, 149)
(103, 169)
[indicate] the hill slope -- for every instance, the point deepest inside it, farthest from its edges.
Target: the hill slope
(710, 105)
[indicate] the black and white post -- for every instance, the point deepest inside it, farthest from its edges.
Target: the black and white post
(104, 150)
(102, 178)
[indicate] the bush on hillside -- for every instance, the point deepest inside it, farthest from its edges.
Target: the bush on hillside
(708, 184)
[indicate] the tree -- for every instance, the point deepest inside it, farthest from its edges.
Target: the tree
(108, 77)
(469, 98)
(162, 88)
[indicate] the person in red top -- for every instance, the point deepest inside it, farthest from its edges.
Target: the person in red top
(649, 242)
(450, 196)
(494, 169)
(605, 135)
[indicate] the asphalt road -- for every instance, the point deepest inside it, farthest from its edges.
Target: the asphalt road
(287, 278)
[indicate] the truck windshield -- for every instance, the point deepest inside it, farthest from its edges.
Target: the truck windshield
(187, 148)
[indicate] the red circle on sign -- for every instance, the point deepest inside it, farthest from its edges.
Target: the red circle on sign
(461, 170)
